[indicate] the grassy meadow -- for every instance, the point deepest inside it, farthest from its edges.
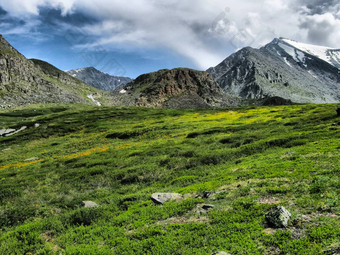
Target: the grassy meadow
(252, 159)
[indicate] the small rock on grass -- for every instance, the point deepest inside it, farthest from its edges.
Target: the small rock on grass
(207, 207)
(160, 198)
(89, 204)
(207, 194)
(220, 253)
(31, 159)
(278, 217)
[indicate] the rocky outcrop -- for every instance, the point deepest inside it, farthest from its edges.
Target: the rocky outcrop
(24, 81)
(98, 79)
(279, 70)
(176, 88)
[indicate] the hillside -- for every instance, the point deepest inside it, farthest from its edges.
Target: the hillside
(232, 166)
(98, 79)
(24, 82)
(283, 68)
(176, 88)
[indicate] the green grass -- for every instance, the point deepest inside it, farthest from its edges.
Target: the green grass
(253, 158)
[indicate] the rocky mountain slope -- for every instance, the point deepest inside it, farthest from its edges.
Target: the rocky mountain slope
(24, 81)
(176, 88)
(283, 68)
(98, 79)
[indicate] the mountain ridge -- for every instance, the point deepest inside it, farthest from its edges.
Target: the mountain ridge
(98, 79)
(24, 81)
(271, 71)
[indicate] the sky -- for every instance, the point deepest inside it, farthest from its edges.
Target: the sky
(129, 38)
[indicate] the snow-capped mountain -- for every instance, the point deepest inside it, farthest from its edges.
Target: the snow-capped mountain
(296, 71)
(98, 79)
(300, 51)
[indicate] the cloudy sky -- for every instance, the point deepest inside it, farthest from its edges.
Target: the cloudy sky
(138, 36)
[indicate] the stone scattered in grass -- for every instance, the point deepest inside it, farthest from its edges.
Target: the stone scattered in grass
(89, 204)
(161, 198)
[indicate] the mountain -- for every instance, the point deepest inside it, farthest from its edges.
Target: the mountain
(176, 88)
(98, 79)
(24, 81)
(287, 69)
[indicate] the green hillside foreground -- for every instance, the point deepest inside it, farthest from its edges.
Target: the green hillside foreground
(252, 158)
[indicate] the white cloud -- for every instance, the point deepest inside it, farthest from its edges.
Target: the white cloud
(31, 7)
(322, 29)
(199, 30)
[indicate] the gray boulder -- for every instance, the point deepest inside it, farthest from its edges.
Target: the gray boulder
(160, 198)
(89, 204)
(220, 253)
(278, 217)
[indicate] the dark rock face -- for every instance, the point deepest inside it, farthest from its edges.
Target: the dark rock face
(24, 81)
(98, 79)
(176, 88)
(279, 70)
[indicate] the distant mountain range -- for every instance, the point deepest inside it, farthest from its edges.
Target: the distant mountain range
(98, 79)
(281, 72)
(299, 72)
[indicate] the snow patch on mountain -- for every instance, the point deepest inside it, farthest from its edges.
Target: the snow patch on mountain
(298, 51)
(286, 61)
(94, 100)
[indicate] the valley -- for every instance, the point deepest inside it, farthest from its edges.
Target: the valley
(230, 167)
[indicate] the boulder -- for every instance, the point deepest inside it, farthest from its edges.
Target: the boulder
(278, 217)
(160, 198)
(220, 253)
(207, 207)
(89, 204)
